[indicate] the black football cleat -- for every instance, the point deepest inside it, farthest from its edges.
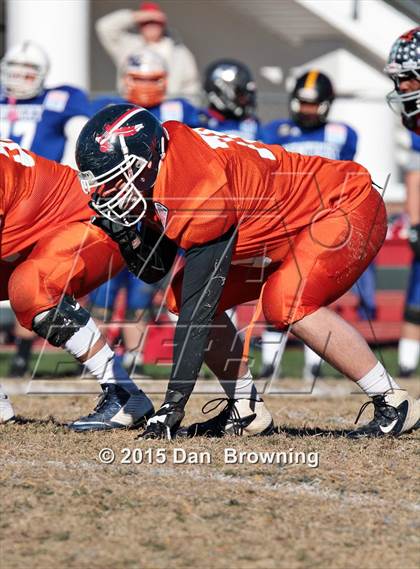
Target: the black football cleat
(116, 409)
(405, 372)
(395, 413)
(18, 367)
(240, 417)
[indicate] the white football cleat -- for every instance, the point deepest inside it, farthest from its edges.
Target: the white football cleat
(395, 413)
(6, 410)
(240, 417)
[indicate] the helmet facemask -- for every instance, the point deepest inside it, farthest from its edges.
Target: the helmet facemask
(405, 103)
(115, 193)
(145, 90)
(21, 81)
(309, 120)
(118, 194)
(24, 69)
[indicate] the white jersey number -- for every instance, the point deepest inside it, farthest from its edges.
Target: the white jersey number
(15, 152)
(21, 129)
(219, 140)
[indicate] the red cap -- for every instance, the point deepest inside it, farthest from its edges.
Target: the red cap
(151, 12)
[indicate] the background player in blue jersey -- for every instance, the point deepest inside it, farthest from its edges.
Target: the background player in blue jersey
(308, 131)
(231, 94)
(403, 67)
(143, 80)
(45, 121)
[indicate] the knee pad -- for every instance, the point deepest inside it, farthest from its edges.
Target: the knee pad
(61, 322)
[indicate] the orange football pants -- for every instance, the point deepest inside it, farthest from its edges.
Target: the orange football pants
(74, 260)
(318, 266)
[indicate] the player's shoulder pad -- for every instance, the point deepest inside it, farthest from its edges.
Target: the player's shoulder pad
(339, 132)
(56, 99)
(276, 128)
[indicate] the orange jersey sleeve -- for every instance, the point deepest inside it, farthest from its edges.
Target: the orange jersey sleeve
(191, 195)
(36, 197)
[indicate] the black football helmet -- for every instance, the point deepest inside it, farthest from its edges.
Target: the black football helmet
(118, 153)
(403, 65)
(312, 87)
(230, 88)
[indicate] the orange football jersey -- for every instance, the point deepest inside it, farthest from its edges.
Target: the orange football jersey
(210, 181)
(37, 196)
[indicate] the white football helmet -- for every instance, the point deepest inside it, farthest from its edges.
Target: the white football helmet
(23, 70)
(143, 79)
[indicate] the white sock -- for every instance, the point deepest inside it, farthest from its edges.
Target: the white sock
(83, 339)
(311, 357)
(408, 353)
(107, 369)
(241, 388)
(377, 381)
(272, 348)
(131, 358)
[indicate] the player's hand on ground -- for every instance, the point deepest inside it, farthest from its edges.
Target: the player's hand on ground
(165, 423)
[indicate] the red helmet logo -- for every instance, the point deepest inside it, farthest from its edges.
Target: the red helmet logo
(111, 131)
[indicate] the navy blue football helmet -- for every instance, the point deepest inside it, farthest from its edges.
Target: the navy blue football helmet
(118, 153)
(230, 88)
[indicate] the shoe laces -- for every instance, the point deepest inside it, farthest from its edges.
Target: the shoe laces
(380, 406)
(230, 405)
(102, 399)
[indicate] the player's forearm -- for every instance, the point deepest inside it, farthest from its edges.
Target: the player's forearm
(204, 278)
(412, 182)
(112, 29)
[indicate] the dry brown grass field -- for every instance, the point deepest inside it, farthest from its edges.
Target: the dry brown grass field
(62, 508)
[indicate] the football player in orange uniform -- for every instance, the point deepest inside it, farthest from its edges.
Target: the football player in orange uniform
(50, 254)
(255, 221)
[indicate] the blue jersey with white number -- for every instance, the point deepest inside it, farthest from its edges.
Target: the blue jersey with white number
(248, 128)
(170, 110)
(333, 140)
(38, 124)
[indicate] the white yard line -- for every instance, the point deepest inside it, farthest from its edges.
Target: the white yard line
(280, 388)
(200, 475)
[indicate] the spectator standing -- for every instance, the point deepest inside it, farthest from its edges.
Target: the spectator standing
(116, 34)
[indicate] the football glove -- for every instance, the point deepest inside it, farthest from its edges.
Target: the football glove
(149, 255)
(414, 240)
(126, 238)
(165, 423)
